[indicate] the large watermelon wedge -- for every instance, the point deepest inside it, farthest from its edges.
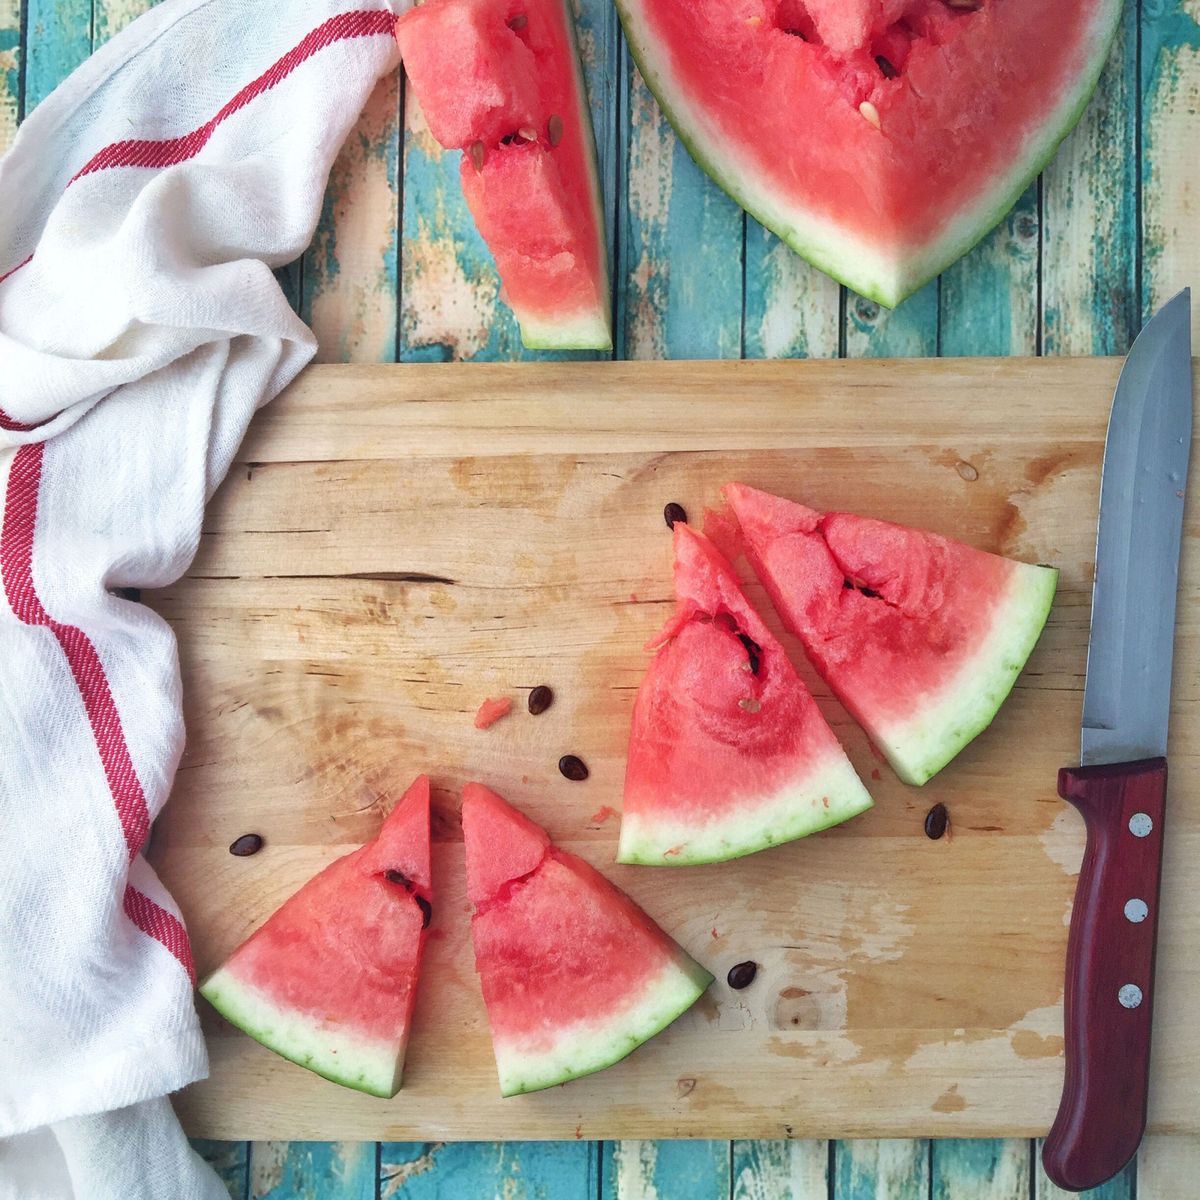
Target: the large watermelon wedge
(575, 976)
(329, 980)
(729, 753)
(500, 80)
(920, 637)
(881, 139)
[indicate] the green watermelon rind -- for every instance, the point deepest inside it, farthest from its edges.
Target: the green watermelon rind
(589, 330)
(849, 265)
(591, 1046)
(751, 825)
(363, 1064)
(917, 750)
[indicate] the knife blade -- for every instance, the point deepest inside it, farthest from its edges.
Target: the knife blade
(1120, 785)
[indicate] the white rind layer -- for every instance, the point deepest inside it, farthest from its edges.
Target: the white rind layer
(587, 331)
(370, 1065)
(829, 794)
(588, 1046)
(885, 274)
(919, 748)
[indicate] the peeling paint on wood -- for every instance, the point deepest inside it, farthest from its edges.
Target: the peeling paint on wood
(230, 1160)
(10, 70)
(882, 1169)
(312, 1171)
(488, 1170)
(60, 38)
(686, 1170)
(781, 1170)
(109, 17)
(908, 331)
(983, 1169)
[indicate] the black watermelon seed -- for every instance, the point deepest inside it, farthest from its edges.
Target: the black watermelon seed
(247, 844)
(400, 878)
(540, 699)
(753, 652)
(519, 21)
(885, 67)
(426, 908)
(674, 512)
(573, 768)
(937, 821)
(742, 975)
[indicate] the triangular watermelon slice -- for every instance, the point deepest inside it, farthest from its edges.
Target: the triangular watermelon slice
(329, 980)
(575, 976)
(920, 637)
(881, 139)
(501, 81)
(729, 753)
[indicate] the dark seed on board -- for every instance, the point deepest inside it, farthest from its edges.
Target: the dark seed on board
(540, 699)
(519, 21)
(555, 129)
(247, 844)
(885, 67)
(742, 975)
(937, 821)
(426, 909)
(475, 150)
(674, 512)
(573, 768)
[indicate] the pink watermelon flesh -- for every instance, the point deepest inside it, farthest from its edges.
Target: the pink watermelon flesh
(575, 976)
(920, 637)
(500, 79)
(879, 138)
(329, 980)
(729, 753)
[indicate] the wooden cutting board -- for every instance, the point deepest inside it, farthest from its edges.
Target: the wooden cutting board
(397, 543)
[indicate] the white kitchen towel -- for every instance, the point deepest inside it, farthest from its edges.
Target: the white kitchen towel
(142, 208)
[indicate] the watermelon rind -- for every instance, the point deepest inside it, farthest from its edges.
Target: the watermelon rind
(919, 748)
(865, 268)
(826, 796)
(584, 1047)
(373, 1066)
(586, 332)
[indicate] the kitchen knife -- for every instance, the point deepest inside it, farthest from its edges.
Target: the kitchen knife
(1120, 786)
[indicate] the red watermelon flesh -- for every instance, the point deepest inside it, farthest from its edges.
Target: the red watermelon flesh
(920, 637)
(728, 753)
(575, 976)
(329, 980)
(879, 138)
(500, 79)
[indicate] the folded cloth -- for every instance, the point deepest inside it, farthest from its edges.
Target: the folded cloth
(142, 208)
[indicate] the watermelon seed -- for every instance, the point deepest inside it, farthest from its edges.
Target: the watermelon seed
(555, 129)
(742, 974)
(751, 705)
(528, 133)
(426, 910)
(937, 821)
(247, 844)
(573, 768)
(475, 150)
(870, 593)
(754, 650)
(885, 67)
(403, 880)
(870, 114)
(519, 21)
(540, 699)
(674, 512)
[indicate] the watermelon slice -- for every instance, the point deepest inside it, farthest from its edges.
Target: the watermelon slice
(729, 753)
(500, 80)
(329, 980)
(881, 139)
(920, 637)
(575, 976)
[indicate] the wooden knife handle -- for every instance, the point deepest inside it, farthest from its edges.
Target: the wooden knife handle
(1110, 971)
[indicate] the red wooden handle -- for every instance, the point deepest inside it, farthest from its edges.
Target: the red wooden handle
(1110, 971)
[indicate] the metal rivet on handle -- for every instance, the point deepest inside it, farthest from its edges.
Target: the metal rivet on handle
(1136, 910)
(1130, 995)
(1140, 824)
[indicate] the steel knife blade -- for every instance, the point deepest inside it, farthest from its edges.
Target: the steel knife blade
(1120, 785)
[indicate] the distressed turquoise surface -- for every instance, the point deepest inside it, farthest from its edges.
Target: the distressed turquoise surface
(693, 277)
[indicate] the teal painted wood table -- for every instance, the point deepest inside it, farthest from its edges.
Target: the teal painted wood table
(397, 273)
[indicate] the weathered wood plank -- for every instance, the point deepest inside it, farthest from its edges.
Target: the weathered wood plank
(1123, 1187)
(313, 1171)
(1168, 1168)
(231, 1161)
(450, 305)
(109, 17)
(679, 252)
(909, 331)
(508, 1170)
(10, 70)
(883, 1169)
(988, 301)
(1170, 107)
(792, 309)
(59, 39)
(781, 1170)
(350, 279)
(1090, 236)
(693, 1170)
(981, 1169)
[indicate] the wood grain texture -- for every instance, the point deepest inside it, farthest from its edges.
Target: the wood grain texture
(641, 1170)
(1168, 1167)
(313, 1171)
(231, 1161)
(59, 39)
(887, 1169)
(981, 1169)
(908, 331)
(567, 1170)
(10, 70)
(335, 646)
(781, 1170)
